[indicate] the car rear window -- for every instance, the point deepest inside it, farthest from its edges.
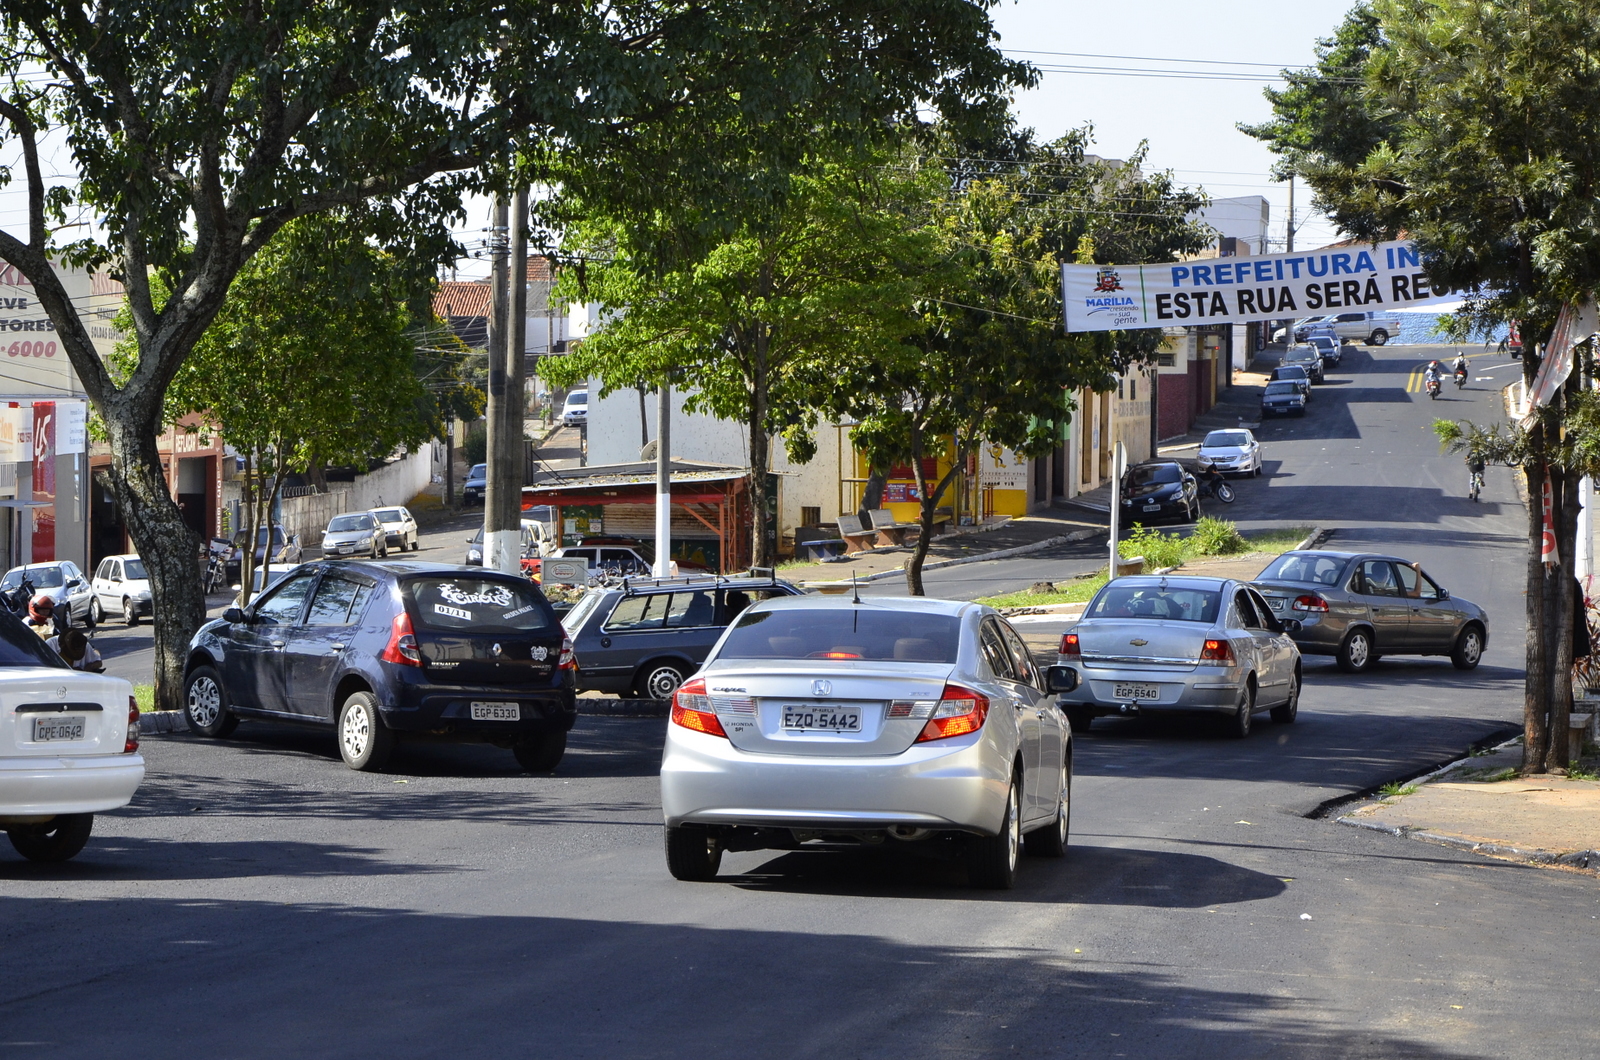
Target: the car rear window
(479, 605)
(21, 646)
(1304, 567)
(1155, 602)
(832, 633)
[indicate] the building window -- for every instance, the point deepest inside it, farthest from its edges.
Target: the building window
(1133, 390)
(1166, 360)
(810, 516)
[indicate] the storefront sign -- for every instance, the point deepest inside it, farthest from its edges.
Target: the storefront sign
(44, 481)
(1363, 277)
(1002, 469)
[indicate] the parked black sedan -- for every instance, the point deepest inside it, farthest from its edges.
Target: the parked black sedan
(376, 649)
(1158, 488)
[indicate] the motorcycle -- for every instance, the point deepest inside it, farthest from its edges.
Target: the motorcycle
(1212, 484)
(16, 601)
(1433, 387)
(1461, 378)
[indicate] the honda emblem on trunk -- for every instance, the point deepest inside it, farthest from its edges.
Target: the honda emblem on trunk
(822, 688)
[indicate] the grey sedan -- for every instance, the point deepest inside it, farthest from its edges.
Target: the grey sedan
(353, 533)
(1357, 606)
(876, 721)
(1153, 644)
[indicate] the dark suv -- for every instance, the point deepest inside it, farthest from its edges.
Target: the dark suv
(374, 649)
(644, 638)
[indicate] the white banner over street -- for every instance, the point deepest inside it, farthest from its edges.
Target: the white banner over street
(1364, 277)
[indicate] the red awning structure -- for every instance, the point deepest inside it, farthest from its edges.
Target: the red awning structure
(714, 495)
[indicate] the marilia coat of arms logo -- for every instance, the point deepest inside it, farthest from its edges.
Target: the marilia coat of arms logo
(1107, 280)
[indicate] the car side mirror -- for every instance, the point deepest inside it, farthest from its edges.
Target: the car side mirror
(74, 583)
(1444, 594)
(233, 616)
(1289, 625)
(1060, 679)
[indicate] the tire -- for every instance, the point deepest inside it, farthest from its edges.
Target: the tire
(992, 860)
(1378, 338)
(1287, 712)
(658, 680)
(1355, 653)
(1079, 720)
(130, 614)
(1051, 840)
(1468, 652)
(205, 703)
(1224, 493)
(89, 617)
(1239, 722)
(541, 754)
(97, 614)
(692, 854)
(416, 545)
(374, 553)
(1258, 469)
(365, 742)
(56, 840)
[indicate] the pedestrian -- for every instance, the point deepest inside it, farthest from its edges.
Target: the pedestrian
(74, 647)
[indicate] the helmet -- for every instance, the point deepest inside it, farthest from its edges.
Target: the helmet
(41, 607)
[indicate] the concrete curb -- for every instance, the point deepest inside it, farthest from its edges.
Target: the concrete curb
(1312, 539)
(1003, 553)
(157, 721)
(1580, 859)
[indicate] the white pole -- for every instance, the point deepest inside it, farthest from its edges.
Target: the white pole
(1119, 460)
(664, 482)
(1584, 559)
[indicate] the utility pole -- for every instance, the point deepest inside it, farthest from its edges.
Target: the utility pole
(501, 539)
(664, 481)
(517, 373)
(1119, 463)
(1290, 247)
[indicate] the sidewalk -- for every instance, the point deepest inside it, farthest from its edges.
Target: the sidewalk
(1037, 531)
(1481, 804)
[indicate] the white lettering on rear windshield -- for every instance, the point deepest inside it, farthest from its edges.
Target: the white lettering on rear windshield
(498, 594)
(453, 612)
(518, 611)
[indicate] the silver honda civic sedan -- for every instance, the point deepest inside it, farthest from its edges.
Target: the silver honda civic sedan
(1157, 644)
(878, 721)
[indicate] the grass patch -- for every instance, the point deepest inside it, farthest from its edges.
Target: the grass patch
(1581, 772)
(145, 696)
(1392, 790)
(1078, 592)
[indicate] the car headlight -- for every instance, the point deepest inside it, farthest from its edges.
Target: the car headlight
(474, 556)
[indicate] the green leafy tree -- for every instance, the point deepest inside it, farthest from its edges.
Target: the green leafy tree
(754, 325)
(1477, 144)
(197, 130)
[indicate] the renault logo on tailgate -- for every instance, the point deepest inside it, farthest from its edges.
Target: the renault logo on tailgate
(822, 688)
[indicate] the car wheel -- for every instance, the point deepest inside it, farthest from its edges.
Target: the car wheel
(130, 614)
(1378, 338)
(365, 742)
(541, 754)
(1239, 721)
(692, 854)
(1079, 720)
(659, 681)
(416, 545)
(1259, 469)
(1468, 651)
(58, 839)
(205, 704)
(1356, 654)
(1051, 840)
(1285, 714)
(992, 860)
(97, 613)
(90, 619)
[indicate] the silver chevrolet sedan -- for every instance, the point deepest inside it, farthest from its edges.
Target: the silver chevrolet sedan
(876, 721)
(1156, 644)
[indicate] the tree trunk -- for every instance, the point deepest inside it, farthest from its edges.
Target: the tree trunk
(760, 444)
(1535, 687)
(169, 549)
(919, 552)
(1559, 640)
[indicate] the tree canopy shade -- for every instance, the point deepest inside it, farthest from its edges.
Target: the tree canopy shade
(197, 130)
(1474, 138)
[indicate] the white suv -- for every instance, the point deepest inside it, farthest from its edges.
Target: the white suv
(69, 746)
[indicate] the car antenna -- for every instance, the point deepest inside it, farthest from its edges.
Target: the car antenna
(855, 589)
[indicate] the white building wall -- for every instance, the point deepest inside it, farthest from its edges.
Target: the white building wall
(1244, 218)
(614, 433)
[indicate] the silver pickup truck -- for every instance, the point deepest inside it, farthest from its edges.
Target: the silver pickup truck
(1371, 329)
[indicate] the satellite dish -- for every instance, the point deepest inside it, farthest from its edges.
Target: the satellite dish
(648, 452)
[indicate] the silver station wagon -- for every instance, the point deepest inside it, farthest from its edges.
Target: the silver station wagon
(1153, 644)
(877, 721)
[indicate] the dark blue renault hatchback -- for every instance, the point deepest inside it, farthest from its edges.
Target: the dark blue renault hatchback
(376, 649)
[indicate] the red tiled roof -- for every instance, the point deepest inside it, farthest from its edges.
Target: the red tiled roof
(461, 298)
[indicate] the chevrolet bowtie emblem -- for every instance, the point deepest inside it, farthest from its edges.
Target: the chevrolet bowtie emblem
(1138, 643)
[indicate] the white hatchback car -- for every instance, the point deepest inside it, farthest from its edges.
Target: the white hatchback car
(59, 580)
(878, 721)
(69, 746)
(121, 585)
(575, 412)
(399, 527)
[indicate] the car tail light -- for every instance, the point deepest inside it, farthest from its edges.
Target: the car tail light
(691, 708)
(402, 647)
(1310, 602)
(1217, 651)
(1069, 644)
(959, 712)
(569, 658)
(131, 744)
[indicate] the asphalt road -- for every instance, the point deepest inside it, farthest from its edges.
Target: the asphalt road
(258, 899)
